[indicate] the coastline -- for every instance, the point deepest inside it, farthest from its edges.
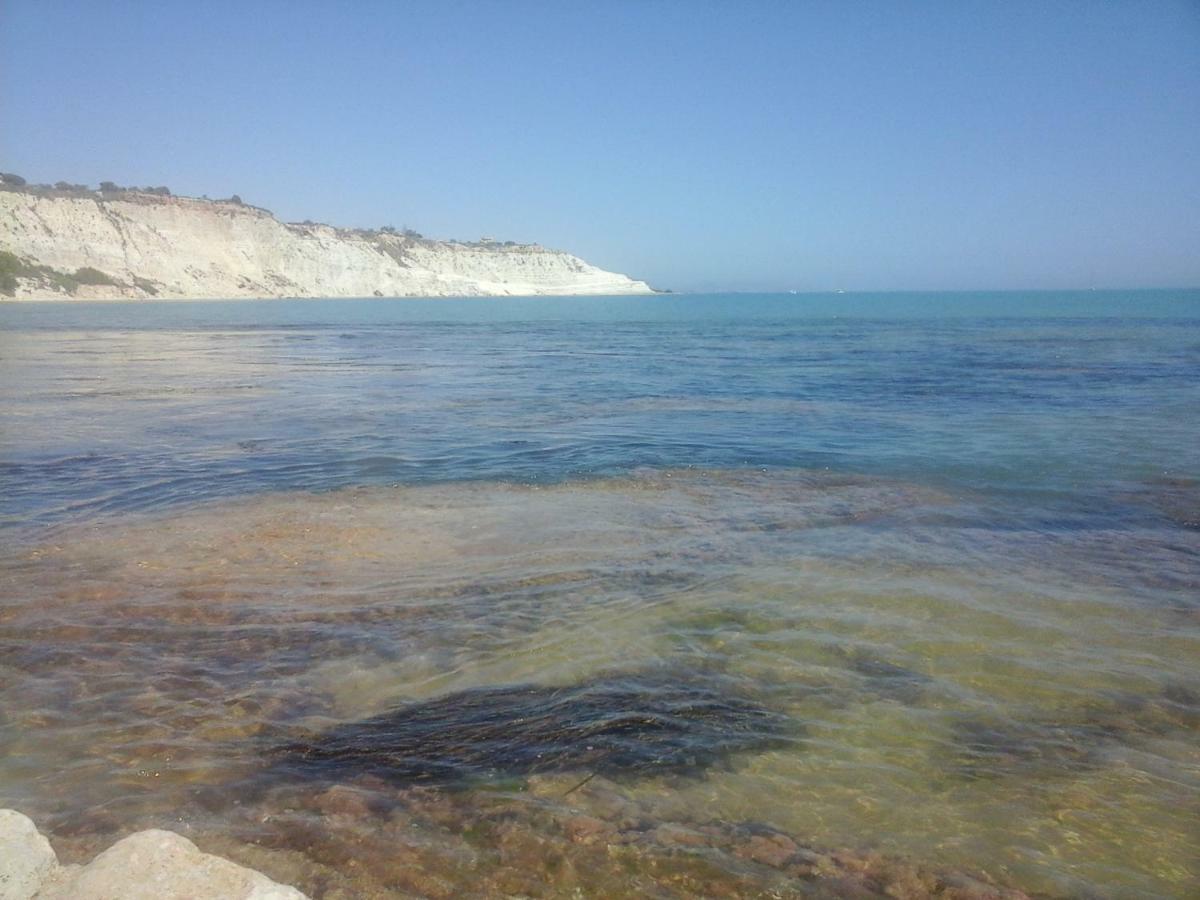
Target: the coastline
(138, 244)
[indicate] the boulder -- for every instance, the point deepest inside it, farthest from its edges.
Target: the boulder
(149, 865)
(26, 858)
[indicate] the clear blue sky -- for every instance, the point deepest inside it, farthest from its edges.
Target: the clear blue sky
(870, 145)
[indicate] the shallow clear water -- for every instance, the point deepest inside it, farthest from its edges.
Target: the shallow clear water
(950, 542)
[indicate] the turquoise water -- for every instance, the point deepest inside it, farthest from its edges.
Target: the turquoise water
(953, 540)
(113, 406)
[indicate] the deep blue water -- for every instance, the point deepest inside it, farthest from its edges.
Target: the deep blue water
(1069, 398)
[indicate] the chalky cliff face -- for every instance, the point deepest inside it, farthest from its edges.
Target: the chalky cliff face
(149, 246)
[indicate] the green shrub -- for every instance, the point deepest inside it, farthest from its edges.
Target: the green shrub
(88, 275)
(10, 267)
(13, 267)
(59, 279)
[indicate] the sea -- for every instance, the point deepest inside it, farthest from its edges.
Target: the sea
(736, 595)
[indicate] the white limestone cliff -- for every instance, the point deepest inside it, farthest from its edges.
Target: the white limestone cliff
(151, 246)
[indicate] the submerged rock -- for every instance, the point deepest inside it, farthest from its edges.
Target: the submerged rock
(1076, 741)
(453, 843)
(618, 725)
(993, 749)
(149, 865)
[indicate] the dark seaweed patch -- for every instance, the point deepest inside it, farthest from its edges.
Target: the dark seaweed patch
(993, 749)
(1180, 705)
(888, 680)
(624, 725)
(1175, 710)
(1175, 499)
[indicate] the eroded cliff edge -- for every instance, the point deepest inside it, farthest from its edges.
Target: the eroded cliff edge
(138, 245)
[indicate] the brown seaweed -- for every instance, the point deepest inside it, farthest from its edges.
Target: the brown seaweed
(639, 724)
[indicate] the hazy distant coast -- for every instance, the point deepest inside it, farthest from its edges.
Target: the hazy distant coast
(69, 242)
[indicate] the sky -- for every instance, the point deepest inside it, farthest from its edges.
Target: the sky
(804, 146)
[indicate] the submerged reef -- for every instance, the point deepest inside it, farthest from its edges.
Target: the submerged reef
(631, 724)
(1069, 744)
(365, 838)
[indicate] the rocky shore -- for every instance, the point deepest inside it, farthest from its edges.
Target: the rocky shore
(148, 865)
(427, 843)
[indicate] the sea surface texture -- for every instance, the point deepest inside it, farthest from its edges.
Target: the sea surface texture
(731, 595)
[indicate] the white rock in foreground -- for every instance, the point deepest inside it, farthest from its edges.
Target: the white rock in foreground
(26, 858)
(149, 865)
